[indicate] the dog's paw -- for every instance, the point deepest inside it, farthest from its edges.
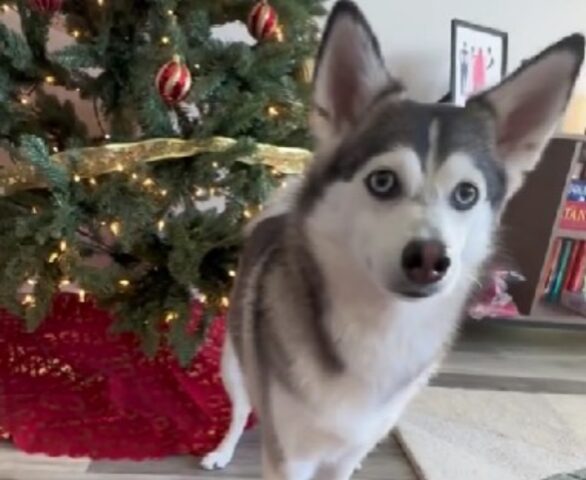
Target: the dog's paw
(216, 460)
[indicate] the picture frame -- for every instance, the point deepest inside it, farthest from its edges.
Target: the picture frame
(479, 58)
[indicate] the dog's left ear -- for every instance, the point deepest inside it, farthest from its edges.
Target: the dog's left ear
(349, 73)
(527, 106)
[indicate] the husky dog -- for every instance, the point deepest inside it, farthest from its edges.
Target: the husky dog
(351, 285)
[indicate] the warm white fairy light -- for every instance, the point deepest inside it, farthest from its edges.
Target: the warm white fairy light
(170, 316)
(170, 12)
(35, 210)
(215, 164)
(163, 192)
(134, 176)
(161, 225)
(115, 228)
(50, 79)
(64, 283)
(148, 182)
(81, 295)
(247, 213)
(28, 300)
(165, 40)
(232, 273)
(53, 257)
(273, 111)
(76, 178)
(63, 245)
(55, 149)
(93, 182)
(76, 34)
(124, 283)
(107, 136)
(24, 100)
(100, 3)
(32, 281)
(225, 302)
(119, 167)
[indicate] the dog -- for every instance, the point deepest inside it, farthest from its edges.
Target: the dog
(353, 281)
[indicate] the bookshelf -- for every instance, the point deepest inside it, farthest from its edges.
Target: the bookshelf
(531, 226)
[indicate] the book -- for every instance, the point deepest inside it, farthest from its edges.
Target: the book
(578, 270)
(577, 191)
(557, 282)
(551, 264)
(574, 215)
(571, 268)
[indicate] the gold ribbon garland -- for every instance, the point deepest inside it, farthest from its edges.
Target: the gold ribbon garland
(95, 161)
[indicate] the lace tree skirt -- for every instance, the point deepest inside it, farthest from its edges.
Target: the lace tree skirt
(72, 388)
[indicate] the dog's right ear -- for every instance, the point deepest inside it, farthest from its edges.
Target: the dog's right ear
(349, 73)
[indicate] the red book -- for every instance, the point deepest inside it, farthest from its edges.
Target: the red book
(579, 270)
(572, 264)
(574, 216)
(551, 263)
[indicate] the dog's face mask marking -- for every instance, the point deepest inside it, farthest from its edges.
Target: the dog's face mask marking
(414, 192)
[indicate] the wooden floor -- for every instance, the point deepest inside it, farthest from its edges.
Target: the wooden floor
(487, 357)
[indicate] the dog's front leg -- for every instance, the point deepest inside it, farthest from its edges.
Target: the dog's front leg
(286, 469)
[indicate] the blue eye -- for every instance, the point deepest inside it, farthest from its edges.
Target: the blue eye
(464, 196)
(383, 184)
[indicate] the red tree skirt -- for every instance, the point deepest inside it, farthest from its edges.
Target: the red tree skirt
(71, 388)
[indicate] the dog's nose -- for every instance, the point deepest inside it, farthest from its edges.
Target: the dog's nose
(425, 261)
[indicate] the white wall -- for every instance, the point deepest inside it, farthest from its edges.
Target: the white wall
(415, 34)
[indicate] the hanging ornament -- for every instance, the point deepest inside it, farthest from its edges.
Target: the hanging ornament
(47, 7)
(263, 22)
(304, 71)
(173, 81)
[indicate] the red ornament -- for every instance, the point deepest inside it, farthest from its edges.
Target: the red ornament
(173, 81)
(48, 7)
(263, 21)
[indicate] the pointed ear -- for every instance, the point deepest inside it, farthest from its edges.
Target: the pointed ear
(349, 72)
(527, 106)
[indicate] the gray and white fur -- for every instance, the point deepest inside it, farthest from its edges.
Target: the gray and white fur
(352, 283)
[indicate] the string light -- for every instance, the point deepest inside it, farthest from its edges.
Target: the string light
(124, 283)
(107, 136)
(232, 273)
(161, 225)
(134, 176)
(64, 283)
(170, 12)
(28, 300)
(100, 3)
(284, 183)
(163, 192)
(165, 40)
(212, 191)
(149, 182)
(171, 316)
(76, 178)
(225, 302)
(32, 281)
(115, 228)
(24, 100)
(53, 257)
(119, 167)
(203, 298)
(50, 79)
(93, 182)
(81, 295)
(215, 164)
(247, 213)
(55, 149)
(76, 34)
(35, 210)
(63, 245)
(273, 111)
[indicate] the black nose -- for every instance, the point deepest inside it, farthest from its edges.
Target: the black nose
(425, 261)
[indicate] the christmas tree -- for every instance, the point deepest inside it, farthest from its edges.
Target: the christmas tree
(147, 215)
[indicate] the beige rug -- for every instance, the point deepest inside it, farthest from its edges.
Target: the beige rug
(453, 434)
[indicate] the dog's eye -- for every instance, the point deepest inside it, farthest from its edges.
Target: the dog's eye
(464, 196)
(383, 184)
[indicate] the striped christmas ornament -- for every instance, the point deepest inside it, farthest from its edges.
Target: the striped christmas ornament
(173, 81)
(263, 21)
(45, 6)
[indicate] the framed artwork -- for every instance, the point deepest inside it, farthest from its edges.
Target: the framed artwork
(479, 59)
